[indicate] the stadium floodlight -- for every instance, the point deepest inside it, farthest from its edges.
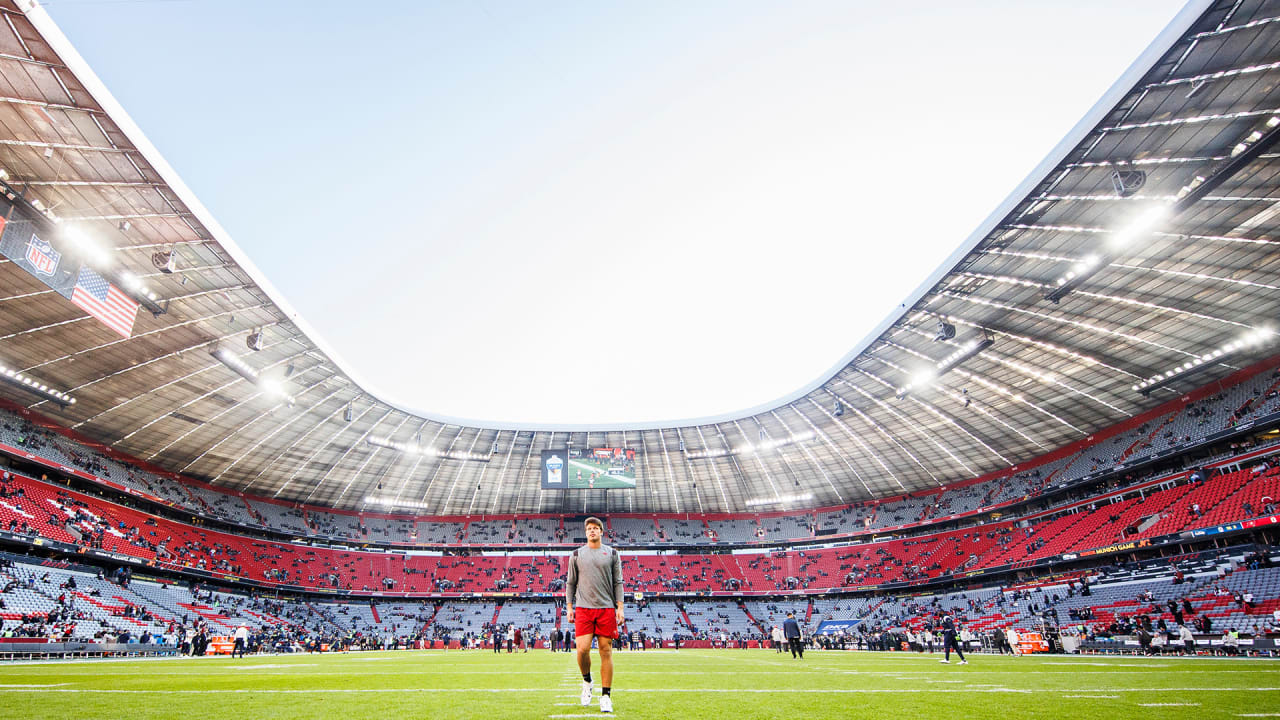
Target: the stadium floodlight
(419, 449)
(268, 386)
(779, 499)
(761, 446)
(348, 413)
(254, 341)
(390, 502)
(25, 382)
(1253, 339)
(948, 363)
(103, 263)
(765, 445)
(1254, 145)
(88, 248)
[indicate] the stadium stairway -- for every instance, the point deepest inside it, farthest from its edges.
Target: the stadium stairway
(208, 614)
(688, 622)
(374, 609)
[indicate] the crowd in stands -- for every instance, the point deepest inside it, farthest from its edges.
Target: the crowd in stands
(1183, 426)
(1236, 594)
(36, 508)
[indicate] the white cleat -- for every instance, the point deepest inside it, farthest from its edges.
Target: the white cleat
(945, 662)
(586, 693)
(606, 704)
(964, 662)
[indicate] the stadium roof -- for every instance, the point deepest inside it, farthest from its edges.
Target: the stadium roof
(1143, 243)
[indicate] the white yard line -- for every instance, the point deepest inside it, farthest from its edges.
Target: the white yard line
(757, 691)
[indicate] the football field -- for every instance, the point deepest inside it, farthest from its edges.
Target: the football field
(604, 481)
(689, 684)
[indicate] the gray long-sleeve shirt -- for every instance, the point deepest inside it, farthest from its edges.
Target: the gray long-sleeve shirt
(595, 578)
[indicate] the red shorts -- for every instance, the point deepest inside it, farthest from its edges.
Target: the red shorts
(595, 621)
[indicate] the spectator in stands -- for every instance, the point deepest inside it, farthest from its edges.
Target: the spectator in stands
(1231, 642)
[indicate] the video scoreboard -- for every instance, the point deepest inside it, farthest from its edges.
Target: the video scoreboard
(598, 468)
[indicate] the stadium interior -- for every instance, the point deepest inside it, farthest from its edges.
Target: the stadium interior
(1072, 429)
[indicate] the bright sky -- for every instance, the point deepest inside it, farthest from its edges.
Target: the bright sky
(602, 212)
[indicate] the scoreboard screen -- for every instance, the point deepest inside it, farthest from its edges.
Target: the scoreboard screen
(599, 468)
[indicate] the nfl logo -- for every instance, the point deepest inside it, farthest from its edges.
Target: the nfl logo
(42, 256)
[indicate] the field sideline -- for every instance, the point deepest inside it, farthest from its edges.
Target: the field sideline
(738, 684)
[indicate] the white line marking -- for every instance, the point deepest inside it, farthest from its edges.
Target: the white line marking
(1091, 696)
(759, 691)
(1168, 704)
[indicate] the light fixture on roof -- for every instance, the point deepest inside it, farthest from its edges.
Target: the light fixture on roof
(762, 446)
(274, 388)
(948, 363)
(779, 499)
(254, 341)
(1127, 182)
(1249, 149)
(419, 449)
(1143, 224)
(165, 261)
(390, 502)
(838, 410)
(1255, 338)
(945, 332)
(348, 413)
(101, 261)
(25, 382)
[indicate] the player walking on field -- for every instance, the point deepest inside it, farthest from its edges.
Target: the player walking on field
(593, 597)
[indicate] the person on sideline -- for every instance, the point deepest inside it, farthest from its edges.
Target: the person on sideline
(594, 600)
(791, 629)
(242, 641)
(949, 641)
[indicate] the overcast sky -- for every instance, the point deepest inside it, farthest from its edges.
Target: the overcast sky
(602, 212)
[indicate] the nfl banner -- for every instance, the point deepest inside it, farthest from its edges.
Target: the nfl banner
(21, 242)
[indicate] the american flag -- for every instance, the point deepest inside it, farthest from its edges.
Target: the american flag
(105, 301)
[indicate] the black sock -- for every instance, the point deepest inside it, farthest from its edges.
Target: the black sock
(586, 678)
(604, 691)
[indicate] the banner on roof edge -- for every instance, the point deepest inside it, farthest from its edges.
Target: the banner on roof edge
(21, 242)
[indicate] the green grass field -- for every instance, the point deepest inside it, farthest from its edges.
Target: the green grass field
(603, 480)
(738, 684)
